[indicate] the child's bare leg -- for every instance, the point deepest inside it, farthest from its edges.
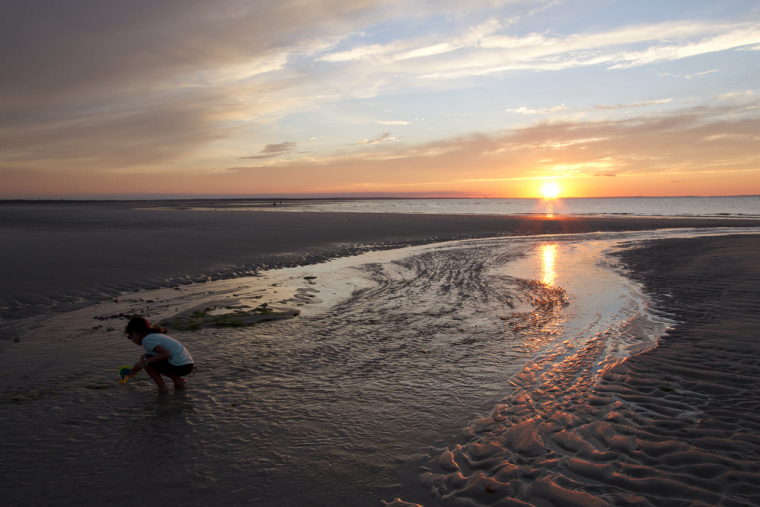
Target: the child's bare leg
(157, 379)
(178, 381)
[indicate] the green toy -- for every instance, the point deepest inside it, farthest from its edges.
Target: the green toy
(126, 374)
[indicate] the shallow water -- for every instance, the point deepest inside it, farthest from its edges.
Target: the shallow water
(395, 355)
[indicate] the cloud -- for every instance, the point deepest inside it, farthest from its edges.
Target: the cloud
(279, 148)
(243, 168)
(542, 52)
(508, 42)
(546, 110)
(362, 52)
(400, 50)
(140, 84)
(646, 147)
(716, 137)
(147, 133)
(742, 35)
(272, 151)
(473, 37)
(735, 95)
(565, 143)
(257, 157)
(643, 152)
(64, 61)
(700, 73)
(386, 136)
(635, 104)
(179, 86)
(437, 49)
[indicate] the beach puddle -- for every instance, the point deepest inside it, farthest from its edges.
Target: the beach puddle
(456, 357)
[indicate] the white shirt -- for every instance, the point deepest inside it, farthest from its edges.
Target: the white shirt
(179, 354)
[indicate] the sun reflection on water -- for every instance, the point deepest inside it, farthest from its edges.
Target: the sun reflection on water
(548, 257)
(550, 210)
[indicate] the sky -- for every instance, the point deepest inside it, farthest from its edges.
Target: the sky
(379, 98)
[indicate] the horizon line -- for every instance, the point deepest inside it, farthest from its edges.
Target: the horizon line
(301, 197)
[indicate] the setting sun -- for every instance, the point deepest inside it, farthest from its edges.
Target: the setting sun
(550, 190)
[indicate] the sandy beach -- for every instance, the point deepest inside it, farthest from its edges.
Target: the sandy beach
(458, 373)
(81, 252)
(677, 425)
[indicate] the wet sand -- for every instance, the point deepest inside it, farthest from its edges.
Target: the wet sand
(77, 252)
(677, 425)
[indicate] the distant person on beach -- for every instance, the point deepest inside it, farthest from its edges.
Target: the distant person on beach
(163, 355)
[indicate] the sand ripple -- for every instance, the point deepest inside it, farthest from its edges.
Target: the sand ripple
(677, 425)
(341, 407)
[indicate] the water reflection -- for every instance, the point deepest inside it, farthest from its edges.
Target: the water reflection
(548, 258)
(550, 210)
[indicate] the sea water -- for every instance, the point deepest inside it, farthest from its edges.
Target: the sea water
(347, 404)
(730, 206)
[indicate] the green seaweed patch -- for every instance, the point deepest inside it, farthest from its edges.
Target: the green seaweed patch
(666, 388)
(196, 320)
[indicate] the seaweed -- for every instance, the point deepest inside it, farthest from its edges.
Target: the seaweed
(198, 319)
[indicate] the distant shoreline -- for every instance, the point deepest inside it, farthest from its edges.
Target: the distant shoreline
(659, 207)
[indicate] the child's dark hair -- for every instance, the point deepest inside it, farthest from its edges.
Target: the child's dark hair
(141, 326)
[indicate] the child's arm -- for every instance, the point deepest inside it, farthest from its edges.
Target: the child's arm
(161, 353)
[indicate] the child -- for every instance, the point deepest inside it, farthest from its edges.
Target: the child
(164, 355)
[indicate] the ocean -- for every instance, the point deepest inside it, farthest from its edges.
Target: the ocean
(732, 206)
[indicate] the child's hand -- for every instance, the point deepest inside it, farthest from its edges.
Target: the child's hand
(139, 365)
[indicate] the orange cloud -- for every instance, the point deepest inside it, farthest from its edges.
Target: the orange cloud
(709, 151)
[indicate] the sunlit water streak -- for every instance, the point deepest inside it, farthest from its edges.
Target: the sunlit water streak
(549, 208)
(548, 258)
(398, 352)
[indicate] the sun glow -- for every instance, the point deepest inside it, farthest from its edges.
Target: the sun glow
(548, 260)
(550, 190)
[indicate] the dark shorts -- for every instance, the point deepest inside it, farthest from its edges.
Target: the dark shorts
(167, 368)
